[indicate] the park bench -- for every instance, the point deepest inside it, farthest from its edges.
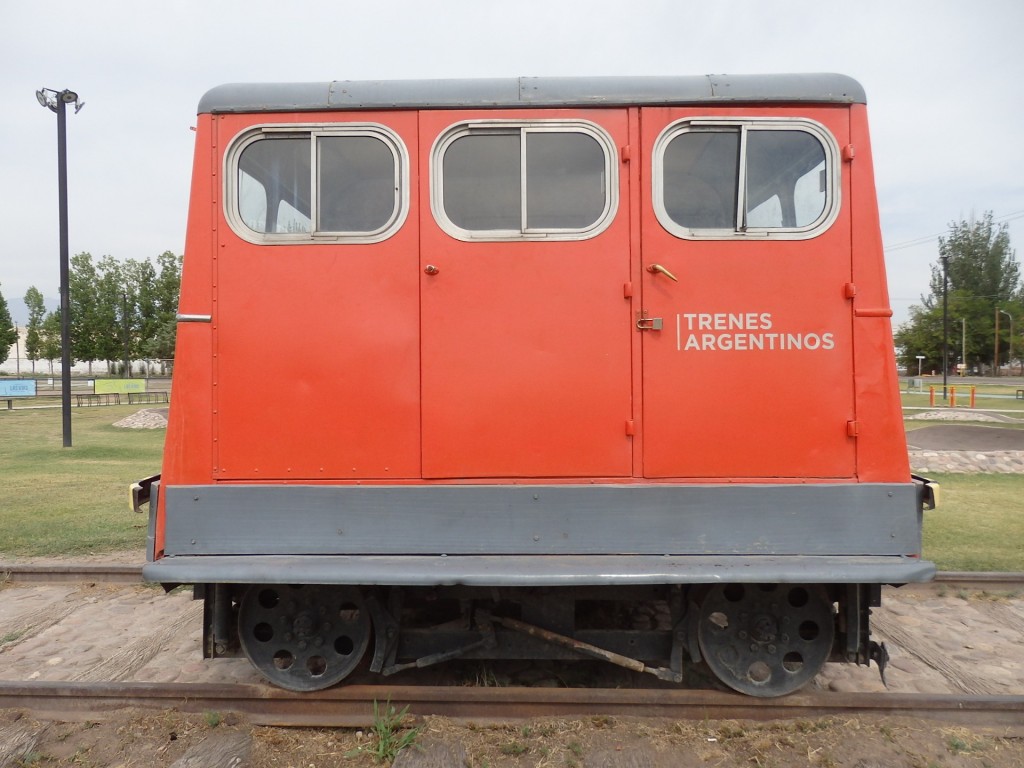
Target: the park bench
(148, 397)
(106, 398)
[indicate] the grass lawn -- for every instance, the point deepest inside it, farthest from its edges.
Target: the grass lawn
(979, 525)
(73, 501)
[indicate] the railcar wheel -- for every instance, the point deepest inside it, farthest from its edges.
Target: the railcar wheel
(303, 638)
(765, 639)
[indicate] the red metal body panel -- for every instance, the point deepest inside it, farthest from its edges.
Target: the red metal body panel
(188, 448)
(736, 413)
(526, 345)
(882, 446)
(343, 322)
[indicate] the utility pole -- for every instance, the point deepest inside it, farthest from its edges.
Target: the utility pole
(995, 362)
(945, 323)
(1009, 354)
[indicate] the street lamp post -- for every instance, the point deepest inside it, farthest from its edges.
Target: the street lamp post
(57, 101)
(1009, 355)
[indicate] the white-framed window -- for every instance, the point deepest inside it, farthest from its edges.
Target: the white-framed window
(326, 183)
(524, 180)
(740, 178)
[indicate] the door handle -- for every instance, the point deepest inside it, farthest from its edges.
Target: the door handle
(656, 268)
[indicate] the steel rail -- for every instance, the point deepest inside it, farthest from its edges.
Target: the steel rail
(352, 706)
(71, 573)
(985, 580)
(130, 573)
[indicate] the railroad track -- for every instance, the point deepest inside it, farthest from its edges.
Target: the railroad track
(352, 706)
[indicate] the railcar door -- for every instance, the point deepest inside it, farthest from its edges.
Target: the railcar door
(316, 289)
(747, 348)
(526, 331)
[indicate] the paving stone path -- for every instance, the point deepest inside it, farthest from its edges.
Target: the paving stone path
(967, 441)
(963, 462)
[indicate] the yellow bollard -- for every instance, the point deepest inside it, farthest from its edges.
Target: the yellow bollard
(952, 397)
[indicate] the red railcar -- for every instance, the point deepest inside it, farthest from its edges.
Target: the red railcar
(456, 357)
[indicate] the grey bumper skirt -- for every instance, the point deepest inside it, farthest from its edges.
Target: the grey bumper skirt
(825, 519)
(536, 570)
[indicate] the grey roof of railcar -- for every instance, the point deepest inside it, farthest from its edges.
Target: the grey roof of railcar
(531, 92)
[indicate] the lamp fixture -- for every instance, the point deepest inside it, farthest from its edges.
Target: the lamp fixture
(47, 97)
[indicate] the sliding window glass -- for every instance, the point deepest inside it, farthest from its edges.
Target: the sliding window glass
(536, 180)
(321, 183)
(741, 178)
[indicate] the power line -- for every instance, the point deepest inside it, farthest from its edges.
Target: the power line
(928, 238)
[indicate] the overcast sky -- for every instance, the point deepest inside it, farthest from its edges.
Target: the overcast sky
(945, 86)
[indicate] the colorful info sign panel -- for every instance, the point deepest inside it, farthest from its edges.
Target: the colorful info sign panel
(18, 388)
(119, 386)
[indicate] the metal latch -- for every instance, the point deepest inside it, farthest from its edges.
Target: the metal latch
(928, 490)
(650, 324)
(140, 492)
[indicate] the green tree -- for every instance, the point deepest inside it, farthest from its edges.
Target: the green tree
(7, 333)
(160, 337)
(88, 322)
(982, 277)
(113, 322)
(140, 308)
(36, 315)
(124, 310)
(981, 263)
(49, 339)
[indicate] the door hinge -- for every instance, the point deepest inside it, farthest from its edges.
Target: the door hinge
(852, 428)
(849, 290)
(627, 290)
(630, 427)
(624, 153)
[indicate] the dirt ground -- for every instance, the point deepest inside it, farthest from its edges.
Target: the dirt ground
(170, 739)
